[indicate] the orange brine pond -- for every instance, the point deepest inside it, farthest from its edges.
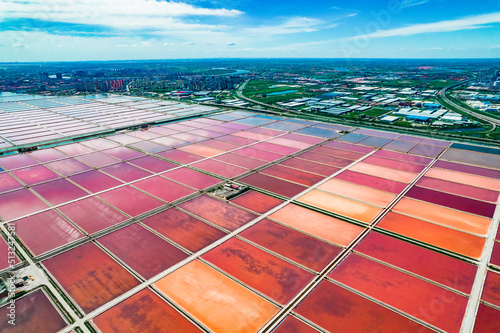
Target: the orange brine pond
(383, 172)
(403, 291)
(320, 225)
(260, 270)
(444, 216)
(451, 272)
(215, 300)
(151, 255)
(144, 312)
(449, 239)
(218, 212)
(256, 201)
(33, 313)
(342, 206)
(338, 310)
(357, 192)
(464, 178)
(183, 229)
(90, 276)
(301, 248)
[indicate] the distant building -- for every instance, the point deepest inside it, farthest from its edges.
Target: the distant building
(43, 76)
(389, 119)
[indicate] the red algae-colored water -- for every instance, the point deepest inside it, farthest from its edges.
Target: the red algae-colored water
(184, 229)
(293, 175)
(151, 255)
(192, 178)
(91, 214)
(46, 231)
(272, 184)
(451, 272)
(95, 181)
(266, 273)
(218, 212)
(339, 310)
(120, 198)
(299, 247)
(163, 188)
(144, 312)
(59, 191)
(293, 325)
(90, 276)
(34, 313)
(256, 201)
(487, 320)
(19, 203)
(403, 291)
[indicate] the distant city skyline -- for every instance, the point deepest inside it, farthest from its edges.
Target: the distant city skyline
(55, 30)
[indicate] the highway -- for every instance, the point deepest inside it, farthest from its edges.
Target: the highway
(493, 121)
(240, 95)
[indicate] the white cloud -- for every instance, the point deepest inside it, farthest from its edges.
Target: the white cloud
(495, 46)
(231, 44)
(117, 14)
(411, 3)
(468, 23)
(146, 44)
(290, 26)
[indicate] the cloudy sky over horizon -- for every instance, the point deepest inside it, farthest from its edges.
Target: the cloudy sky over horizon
(67, 30)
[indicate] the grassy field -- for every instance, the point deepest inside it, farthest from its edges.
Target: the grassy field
(254, 89)
(375, 112)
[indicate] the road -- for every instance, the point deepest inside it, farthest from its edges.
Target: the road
(240, 95)
(493, 121)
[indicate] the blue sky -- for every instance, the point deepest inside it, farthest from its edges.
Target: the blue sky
(69, 30)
